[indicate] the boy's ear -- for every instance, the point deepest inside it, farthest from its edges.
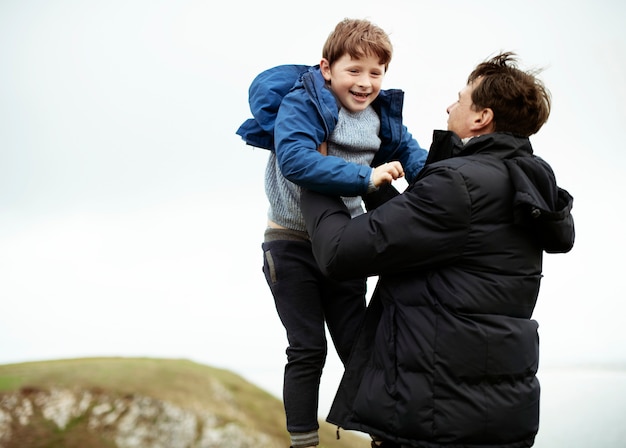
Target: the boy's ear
(325, 69)
(483, 121)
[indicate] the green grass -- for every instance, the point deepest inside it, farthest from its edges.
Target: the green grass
(10, 383)
(181, 382)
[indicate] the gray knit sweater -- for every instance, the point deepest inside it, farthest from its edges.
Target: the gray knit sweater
(355, 139)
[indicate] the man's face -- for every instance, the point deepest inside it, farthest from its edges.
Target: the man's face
(461, 115)
(355, 82)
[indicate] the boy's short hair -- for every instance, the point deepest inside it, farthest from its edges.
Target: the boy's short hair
(358, 38)
(519, 100)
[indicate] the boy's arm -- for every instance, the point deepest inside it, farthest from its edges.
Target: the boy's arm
(383, 174)
(298, 132)
(411, 154)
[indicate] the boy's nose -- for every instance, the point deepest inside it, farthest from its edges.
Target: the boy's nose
(363, 81)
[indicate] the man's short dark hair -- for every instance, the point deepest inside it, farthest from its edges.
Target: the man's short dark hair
(519, 100)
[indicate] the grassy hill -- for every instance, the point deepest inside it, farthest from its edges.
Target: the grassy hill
(99, 402)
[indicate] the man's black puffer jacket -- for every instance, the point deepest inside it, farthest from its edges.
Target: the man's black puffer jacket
(448, 353)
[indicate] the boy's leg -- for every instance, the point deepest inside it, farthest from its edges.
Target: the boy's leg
(294, 279)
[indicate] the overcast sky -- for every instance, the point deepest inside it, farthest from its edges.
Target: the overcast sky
(131, 215)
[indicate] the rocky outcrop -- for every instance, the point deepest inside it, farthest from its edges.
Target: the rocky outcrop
(128, 421)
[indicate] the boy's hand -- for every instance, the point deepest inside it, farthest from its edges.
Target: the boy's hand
(323, 149)
(387, 172)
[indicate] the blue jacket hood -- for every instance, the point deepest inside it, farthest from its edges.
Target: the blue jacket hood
(264, 97)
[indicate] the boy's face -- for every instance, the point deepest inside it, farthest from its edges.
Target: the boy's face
(355, 82)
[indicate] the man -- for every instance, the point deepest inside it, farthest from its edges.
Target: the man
(448, 353)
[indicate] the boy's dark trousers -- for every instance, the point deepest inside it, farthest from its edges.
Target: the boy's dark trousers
(305, 299)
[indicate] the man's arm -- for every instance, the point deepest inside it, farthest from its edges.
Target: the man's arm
(425, 226)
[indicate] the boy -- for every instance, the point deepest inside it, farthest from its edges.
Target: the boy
(339, 108)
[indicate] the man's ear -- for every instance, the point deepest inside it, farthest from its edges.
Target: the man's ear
(325, 69)
(483, 121)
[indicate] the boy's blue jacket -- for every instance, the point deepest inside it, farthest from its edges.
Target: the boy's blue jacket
(294, 113)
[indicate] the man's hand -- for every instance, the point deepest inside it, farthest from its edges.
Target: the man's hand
(387, 172)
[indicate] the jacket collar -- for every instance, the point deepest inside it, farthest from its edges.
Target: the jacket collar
(446, 144)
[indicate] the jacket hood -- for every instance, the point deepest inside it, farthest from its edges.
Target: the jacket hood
(264, 97)
(539, 204)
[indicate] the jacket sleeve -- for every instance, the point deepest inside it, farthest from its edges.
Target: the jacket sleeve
(412, 155)
(426, 226)
(298, 133)
(398, 143)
